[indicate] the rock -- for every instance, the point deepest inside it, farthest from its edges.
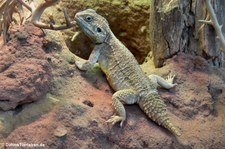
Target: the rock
(198, 89)
(129, 21)
(187, 106)
(25, 74)
(60, 131)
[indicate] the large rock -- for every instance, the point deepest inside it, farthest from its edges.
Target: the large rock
(128, 20)
(25, 74)
(200, 87)
(196, 106)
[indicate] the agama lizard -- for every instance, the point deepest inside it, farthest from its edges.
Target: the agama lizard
(123, 72)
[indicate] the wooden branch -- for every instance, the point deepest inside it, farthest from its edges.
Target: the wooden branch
(5, 21)
(30, 7)
(9, 7)
(2, 7)
(39, 11)
(214, 22)
(25, 5)
(1, 25)
(206, 22)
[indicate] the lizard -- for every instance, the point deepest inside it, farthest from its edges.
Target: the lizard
(124, 74)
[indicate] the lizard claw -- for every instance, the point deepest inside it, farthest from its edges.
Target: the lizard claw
(170, 78)
(115, 118)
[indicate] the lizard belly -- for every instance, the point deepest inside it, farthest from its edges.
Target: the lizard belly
(117, 82)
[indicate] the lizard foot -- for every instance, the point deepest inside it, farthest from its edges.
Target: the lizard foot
(115, 118)
(170, 79)
(82, 65)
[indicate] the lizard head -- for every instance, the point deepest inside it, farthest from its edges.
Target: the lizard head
(93, 25)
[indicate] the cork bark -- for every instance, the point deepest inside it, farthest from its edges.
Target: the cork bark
(174, 28)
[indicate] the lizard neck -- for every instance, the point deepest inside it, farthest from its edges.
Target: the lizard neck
(110, 39)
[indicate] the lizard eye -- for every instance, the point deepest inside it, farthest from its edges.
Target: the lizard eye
(99, 30)
(89, 18)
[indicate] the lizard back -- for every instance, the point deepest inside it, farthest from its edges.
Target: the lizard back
(122, 69)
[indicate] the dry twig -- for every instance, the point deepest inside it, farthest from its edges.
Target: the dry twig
(214, 22)
(9, 7)
(40, 9)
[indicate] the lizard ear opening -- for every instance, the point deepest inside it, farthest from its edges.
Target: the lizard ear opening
(100, 35)
(99, 30)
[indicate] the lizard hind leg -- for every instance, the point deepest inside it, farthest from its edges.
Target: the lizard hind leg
(127, 96)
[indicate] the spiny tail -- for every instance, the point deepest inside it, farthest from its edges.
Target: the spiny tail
(155, 108)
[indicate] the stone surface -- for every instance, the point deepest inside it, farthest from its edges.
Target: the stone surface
(25, 74)
(196, 96)
(196, 106)
(128, 19)
(60, 131)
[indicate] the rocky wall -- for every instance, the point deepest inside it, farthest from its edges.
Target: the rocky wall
(128, 20)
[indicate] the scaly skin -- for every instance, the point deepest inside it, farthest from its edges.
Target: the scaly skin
(123, 72)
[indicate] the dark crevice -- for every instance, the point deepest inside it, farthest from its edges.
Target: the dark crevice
(18, 109)
(6, 67)
(168, 46)
(214, 92)
(51, 46)
(88, 103)
(5, 100)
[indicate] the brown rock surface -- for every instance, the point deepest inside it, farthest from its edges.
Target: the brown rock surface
(87, 105)
(25, 74)
(199, 87)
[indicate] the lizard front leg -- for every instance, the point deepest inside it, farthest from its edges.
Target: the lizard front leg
(127, 96)
(93, 58)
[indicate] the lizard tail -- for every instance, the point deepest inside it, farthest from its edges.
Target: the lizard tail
(155, 108)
